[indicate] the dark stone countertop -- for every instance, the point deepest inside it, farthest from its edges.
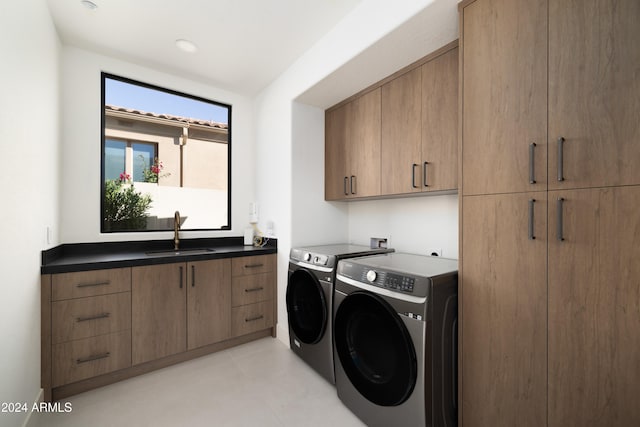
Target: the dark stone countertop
(97, 256)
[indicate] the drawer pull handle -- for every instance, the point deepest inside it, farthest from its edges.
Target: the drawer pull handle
(86, 285)
(424, 174)
(532, 163)
(413, 175)
(253, 265)
(561, 159)
(559, 223)
(252, 319)
(531, 219)
(254, 289)
(94, 357)
(96, 317)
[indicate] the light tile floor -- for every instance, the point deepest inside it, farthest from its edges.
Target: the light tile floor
(261, 383)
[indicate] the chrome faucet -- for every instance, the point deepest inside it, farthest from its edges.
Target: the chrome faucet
(176, 230)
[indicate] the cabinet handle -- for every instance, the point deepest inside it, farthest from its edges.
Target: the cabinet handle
(180, 277)
(413, 175)
(86, 285)
(351, 186)
(559, 225)
(252, 319)
(253, 265)
(532, 165)
(424, 174)
(254, 289)
(531, 203)
(346, 193)
(561, 159)
(93, 357)
(97, 316)
(193, 276)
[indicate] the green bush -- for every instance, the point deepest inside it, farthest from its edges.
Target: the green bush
(124, 207)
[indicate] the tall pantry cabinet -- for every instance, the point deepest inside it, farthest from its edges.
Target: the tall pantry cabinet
(550, 212)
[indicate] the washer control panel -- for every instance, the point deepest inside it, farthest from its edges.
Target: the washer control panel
(389, 280)
(315, 259)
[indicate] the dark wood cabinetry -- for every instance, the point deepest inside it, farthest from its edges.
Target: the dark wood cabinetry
(397, 137)
(101, 326)
(549, 325)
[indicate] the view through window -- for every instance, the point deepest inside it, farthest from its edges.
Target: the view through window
(163, 151)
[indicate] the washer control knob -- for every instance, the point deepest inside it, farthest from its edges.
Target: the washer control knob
(307, 256)
(371, 276)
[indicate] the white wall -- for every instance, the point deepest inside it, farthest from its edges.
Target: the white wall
(414, 225)
(29, 150)
(81, 113)
(313, 221)
(281, 150)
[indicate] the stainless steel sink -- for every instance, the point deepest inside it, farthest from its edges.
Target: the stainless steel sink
(195, 251)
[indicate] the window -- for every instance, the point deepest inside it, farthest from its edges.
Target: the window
(163, 151)
(135, 159)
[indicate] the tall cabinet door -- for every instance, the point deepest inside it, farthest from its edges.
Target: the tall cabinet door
(363, 148)
(401, 134)
(337, 135)
(208, 302)
(158, 311)
(440, 123)
(594, 93)
(504, 303)
(594, 307)
(504, 95)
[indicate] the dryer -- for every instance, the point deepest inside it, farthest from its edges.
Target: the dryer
(395, 336)
(309, 301)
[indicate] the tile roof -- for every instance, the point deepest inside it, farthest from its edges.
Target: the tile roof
(169, 117)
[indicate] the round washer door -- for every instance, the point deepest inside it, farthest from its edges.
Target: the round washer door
(306, 306)
(375, 349)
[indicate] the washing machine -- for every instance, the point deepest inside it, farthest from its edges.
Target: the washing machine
(309, 300)
(395, 339)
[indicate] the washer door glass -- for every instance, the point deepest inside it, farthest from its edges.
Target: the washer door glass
(306, 306)
(375, 349)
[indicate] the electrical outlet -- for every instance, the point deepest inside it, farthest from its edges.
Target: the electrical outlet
(434, 251)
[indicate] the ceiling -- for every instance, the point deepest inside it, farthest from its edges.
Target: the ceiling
(242, 45)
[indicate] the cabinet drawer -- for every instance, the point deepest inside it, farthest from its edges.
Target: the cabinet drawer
(252, 289)
(77, 360)
(89, 283)
(250, 318)
(253, 265)
(88, 317)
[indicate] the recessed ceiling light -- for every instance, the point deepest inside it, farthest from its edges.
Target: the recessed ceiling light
(186, 45)
(89, 4)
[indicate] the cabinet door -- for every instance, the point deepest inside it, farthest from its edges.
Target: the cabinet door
(336, 135)
(594, 92)
(401, 134)
(594, 307)
(440, 123)
(504, 310)
(158, 311)
(208, 302)
(363, 146)
(504, 95)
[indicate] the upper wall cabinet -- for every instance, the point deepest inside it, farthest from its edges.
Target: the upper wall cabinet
(398, 138)
(352, 148)
(504, 80)
(594, 93)
(420, 128)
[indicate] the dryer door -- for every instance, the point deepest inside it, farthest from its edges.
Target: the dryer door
(306, 306)
(375, 349)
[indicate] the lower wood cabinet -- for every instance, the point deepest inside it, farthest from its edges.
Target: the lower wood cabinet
(101, 326)
(253, 294)
(550, 318)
